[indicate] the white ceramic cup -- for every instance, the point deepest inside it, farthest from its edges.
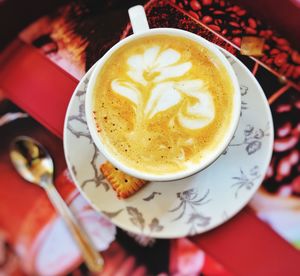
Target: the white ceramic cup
(141, 29)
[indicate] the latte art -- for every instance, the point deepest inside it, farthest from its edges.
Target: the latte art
(156, 71)
(162, 103)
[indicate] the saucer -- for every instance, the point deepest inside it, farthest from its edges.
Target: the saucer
(188, 206)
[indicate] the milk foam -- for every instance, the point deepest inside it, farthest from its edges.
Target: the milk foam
(156, 71)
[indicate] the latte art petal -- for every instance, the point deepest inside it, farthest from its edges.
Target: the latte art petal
(190, 87)
(167, 58)
(201, 113)
(136, 62)
(163, 96)
(192, 123)
(150, 56)
(172, 71)
(127, 90)
(137, 67)
(204, 108)
(137, 76)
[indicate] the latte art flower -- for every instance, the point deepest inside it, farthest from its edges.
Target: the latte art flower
(156, 66)
(158, 72)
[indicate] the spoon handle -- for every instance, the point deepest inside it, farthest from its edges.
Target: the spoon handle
(93, 259)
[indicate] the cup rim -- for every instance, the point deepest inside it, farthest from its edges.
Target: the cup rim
(207, 161)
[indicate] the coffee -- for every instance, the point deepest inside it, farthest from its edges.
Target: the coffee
(162, 103)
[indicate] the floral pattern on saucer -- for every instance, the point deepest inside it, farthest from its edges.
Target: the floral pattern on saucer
(184, 207)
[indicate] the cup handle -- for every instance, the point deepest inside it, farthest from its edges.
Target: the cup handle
(138, 19)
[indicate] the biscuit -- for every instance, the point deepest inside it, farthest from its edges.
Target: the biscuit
(125, 185)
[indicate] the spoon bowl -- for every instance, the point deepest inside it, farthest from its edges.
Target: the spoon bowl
(31, 160)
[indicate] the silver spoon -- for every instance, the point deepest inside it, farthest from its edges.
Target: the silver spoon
(35, 165)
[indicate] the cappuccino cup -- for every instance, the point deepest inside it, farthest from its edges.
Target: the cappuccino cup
(162, 104)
